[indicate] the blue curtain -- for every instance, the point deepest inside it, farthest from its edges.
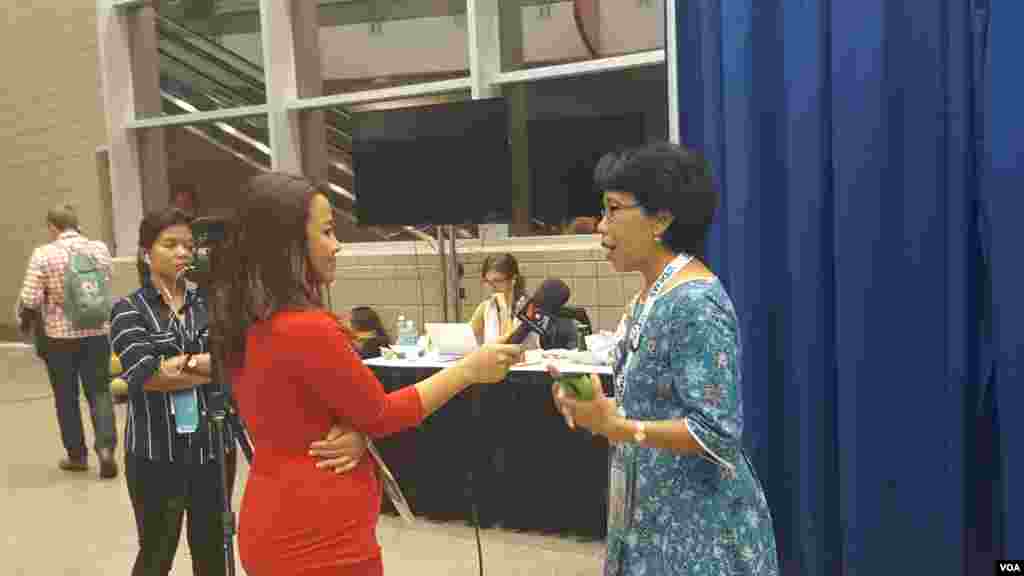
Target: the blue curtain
(1003, 210)
(847, 140)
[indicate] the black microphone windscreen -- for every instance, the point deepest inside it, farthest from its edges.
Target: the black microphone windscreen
(535, 314)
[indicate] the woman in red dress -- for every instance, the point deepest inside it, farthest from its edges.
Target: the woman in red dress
(295, 374)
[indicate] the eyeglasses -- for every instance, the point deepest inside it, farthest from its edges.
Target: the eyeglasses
(493, 282)
(608, 212)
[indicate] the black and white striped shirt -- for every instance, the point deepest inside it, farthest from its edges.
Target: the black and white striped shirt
(142, 332)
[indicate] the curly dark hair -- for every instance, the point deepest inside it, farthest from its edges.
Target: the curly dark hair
(665, 176)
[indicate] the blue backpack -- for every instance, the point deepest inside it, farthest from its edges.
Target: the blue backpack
(87, 300)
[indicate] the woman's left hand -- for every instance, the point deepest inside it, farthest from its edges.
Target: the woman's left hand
(598, 415)
(204, 365)
(340, 451)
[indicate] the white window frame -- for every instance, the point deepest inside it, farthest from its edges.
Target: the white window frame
(485, 80)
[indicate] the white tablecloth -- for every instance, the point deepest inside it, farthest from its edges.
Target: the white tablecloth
(564, 366)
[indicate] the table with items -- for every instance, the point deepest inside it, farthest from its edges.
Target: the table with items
(501, 448)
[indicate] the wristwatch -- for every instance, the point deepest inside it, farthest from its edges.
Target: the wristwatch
(640, 433)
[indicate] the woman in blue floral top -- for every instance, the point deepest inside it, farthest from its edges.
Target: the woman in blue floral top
(683, 496)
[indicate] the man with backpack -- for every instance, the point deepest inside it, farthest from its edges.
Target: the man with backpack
(68, 284)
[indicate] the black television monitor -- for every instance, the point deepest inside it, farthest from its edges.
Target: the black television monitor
(439, 164)
(564, 150)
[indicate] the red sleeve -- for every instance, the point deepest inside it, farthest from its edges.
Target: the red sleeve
(336, 374)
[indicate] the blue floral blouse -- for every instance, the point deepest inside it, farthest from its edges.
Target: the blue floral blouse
(693, 515)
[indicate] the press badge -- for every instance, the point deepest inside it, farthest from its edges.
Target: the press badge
(619, 493)
(185, 407)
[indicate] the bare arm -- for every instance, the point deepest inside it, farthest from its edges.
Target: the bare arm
(438, 389)
(171, 377)
(329, 360)
(144, 370)
(671, 435)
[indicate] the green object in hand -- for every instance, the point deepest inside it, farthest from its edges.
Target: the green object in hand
(578, 386)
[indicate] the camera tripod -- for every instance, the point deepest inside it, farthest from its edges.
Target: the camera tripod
(226, 427)
(225, 423)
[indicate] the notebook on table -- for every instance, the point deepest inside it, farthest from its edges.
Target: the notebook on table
(451, 340)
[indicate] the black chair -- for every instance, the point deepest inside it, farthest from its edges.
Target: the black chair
(562, 330)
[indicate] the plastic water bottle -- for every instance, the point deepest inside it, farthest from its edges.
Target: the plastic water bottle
(408, 335)
(399, 328)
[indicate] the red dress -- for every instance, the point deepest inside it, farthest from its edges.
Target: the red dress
(301, 375)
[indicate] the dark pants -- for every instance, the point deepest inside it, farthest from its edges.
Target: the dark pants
(86, 360)
(161, 493)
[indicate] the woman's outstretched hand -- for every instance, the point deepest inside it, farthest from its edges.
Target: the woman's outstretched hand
(490, 362)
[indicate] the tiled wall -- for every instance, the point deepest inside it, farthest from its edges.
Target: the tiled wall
(412, 284)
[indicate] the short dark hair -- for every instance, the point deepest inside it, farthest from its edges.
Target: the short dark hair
(149, 230)
(366, 319)
(665, 176)
(63, 217)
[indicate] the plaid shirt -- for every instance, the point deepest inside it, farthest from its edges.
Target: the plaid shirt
(44, 282)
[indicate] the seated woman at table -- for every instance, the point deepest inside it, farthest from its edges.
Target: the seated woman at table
(368, 332)
(494, 318)
(296, 373)
(683, 496)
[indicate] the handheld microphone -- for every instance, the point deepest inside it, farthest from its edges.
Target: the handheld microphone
(535, 315)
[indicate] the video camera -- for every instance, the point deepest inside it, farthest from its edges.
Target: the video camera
(207, 233)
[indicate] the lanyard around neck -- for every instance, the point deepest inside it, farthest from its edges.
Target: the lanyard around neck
(637, 328)
(637, 323)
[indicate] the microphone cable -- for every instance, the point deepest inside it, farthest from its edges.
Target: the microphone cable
(471, 492)
(475, 399)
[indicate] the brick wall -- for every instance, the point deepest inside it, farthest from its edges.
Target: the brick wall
(51, 123)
